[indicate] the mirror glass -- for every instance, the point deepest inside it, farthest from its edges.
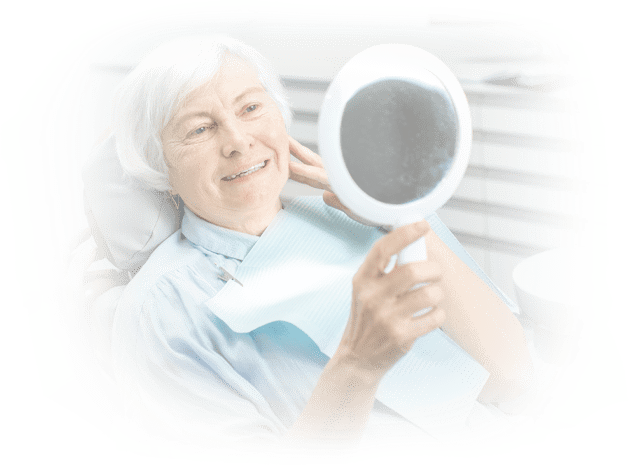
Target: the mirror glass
(398, 139)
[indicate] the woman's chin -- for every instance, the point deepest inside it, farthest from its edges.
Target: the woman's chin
(256, 195)
(256, 200)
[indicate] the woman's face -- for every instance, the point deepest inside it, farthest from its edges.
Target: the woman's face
(227, 148)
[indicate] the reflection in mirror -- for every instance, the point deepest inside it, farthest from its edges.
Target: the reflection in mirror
(398, 139)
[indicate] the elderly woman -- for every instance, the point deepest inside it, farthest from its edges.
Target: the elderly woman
(206, 120)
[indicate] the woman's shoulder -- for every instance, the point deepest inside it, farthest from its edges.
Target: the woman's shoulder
(165, 273)
(165, 296)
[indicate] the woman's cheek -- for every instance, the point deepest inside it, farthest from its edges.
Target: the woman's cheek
(274, 135)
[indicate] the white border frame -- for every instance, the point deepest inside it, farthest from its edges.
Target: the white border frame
(603, 382)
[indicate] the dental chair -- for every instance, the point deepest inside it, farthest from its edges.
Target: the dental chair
(127, 221)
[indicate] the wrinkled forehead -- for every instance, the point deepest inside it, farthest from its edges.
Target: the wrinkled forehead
(232, 77)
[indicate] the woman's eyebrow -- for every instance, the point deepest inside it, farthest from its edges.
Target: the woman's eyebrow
(187, 116)
(248, 91)
(201, 114)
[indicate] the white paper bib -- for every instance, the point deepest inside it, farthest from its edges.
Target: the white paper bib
(300, 271)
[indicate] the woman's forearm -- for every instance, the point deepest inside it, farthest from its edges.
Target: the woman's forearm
(481, 323)
(381, 328)
(339, 406)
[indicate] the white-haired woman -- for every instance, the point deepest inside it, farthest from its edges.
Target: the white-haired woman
(206, 120)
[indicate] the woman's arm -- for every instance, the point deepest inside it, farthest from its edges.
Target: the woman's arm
(477, 319)
(339, 406)
(382, 327)
(481, 323)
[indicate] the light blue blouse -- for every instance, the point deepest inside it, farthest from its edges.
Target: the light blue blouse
(188, 370)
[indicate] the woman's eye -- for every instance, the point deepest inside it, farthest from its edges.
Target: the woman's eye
(202, 129)
(251, 108)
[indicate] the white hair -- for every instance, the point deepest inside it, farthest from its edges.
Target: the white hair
(148, 96)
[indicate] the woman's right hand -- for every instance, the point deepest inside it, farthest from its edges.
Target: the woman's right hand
(382, 326)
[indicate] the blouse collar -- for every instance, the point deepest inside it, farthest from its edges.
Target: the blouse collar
(214, 238)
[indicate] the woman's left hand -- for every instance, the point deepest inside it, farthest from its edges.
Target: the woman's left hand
(312, 173)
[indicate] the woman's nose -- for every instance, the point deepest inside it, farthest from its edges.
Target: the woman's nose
(236, 138)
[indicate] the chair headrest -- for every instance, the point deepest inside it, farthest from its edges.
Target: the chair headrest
(128, 220)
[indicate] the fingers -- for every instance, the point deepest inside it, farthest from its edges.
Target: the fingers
(428, 322)
(333, 201)
(311, 171)
(304, 154)
(312, 176)
(417, 299)
(400, 292)
(404, 277)
(380, 254)
(417, 327)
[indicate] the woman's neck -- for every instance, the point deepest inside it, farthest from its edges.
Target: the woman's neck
(252, 222)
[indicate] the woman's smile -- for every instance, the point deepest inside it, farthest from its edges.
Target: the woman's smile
(246, 174)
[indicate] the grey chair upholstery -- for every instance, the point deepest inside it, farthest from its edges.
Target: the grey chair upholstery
(127, 220)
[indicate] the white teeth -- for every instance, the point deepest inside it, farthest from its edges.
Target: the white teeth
(246, 172)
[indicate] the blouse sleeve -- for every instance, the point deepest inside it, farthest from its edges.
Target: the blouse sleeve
(176, 382)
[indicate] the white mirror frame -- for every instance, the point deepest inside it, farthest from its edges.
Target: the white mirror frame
(379, 63)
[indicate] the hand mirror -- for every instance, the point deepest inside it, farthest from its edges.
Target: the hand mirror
(395, 136)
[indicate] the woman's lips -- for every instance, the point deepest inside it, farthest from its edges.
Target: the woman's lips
(247, 171)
